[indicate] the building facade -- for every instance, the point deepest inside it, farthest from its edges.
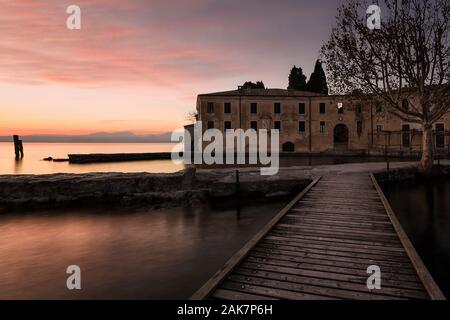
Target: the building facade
(314, 123)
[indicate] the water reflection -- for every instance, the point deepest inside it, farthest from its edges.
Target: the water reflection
(423, 210)
(18, 162)
(32, 163)
(130, 253)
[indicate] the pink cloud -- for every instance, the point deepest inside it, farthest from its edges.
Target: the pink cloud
(37, 47)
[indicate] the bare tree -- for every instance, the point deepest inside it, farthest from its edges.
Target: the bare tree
(405, 64)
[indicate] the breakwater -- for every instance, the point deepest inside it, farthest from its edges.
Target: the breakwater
(184, 188)
(117, 157)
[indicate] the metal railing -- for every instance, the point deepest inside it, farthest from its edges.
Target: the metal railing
(408, 143)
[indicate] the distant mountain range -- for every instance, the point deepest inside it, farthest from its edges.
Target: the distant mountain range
(94, 137)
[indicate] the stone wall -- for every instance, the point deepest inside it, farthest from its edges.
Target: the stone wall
(184, 188)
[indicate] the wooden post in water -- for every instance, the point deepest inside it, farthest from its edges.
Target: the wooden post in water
(18, 146)
(21, 148)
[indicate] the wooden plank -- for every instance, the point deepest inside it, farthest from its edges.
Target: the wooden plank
(320, 195)
(212, 283)
(347, 205)
(341, 212)
(318, 205)
(306, 289)
(368, 230)
(271, 292)
(335, 186)
(331, 227)
(342, 197)
(337, 189)
(332, 246)
(331, 269)
(387, 235)
(370, 255)
(342, 224)
(329, 221)
(430, 285)
(339, 235)
(341, 189)
(340, 242)
(324, 256)
(343, 206)
(223, 294)
(276, 261)
(386, 291)
(325, 276)
(327, 262)
(334, 217)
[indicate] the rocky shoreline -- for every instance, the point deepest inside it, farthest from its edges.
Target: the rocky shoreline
(189, 187)
(184, 188)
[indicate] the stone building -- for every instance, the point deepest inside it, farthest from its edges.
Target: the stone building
(315, 123)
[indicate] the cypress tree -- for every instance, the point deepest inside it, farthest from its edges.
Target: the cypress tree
(318, 81)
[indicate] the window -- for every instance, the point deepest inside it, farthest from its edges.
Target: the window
(254, 108)
(277, 125)
(210, 124)
(227, 125)
(277, 107)
(301, 108)
(288, 147)
(379, 107)
(440, 135)
(379, 127)
(359, 109)
(301, 126)
(322, 108)
(405, 104)
(227, 107)
(340, 108)
(406, 137)
(254, 125)
(359, 127)
(210, 107)
(322, 126)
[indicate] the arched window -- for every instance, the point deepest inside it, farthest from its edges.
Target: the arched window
(288, 147)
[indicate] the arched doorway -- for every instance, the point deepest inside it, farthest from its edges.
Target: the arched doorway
(288, 147)
(341, 136)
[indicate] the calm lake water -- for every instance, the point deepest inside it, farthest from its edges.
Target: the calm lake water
(32, 163)
(423, 208)
(122, 253)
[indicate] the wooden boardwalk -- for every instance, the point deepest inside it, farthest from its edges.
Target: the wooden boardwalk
(320, 246)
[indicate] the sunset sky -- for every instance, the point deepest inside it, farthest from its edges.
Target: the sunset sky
(138, 65)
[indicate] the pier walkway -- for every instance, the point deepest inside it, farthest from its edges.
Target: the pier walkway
(320, 246)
